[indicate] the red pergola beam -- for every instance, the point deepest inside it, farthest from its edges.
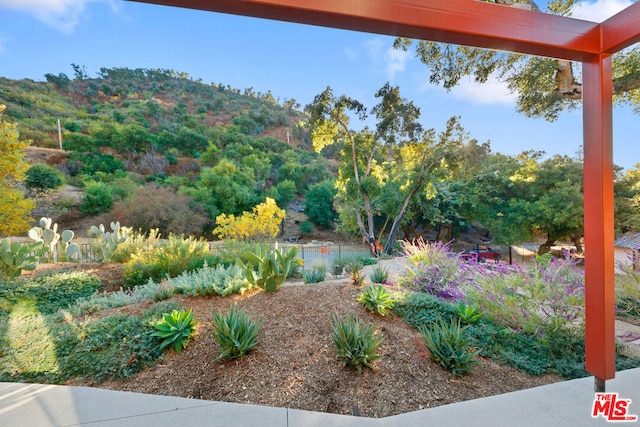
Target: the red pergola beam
(621, 30)
(465, 22)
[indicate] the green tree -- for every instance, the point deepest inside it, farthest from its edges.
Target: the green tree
(61, 80)
(79, 142)
(497, 189)
(557, 205)
(397, 151)
(283, 193)
(521, 197)
(627, 201)
(544, 86)
(319, 203)
(14, 208)
(224, 188)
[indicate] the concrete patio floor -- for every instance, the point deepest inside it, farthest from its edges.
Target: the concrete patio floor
(566, 404)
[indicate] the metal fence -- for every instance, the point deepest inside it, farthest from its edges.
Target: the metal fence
(312, 255)
(327, 255)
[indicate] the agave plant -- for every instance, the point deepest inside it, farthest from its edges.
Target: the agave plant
(376, 299)
(448, 346)
(379, 275)
(356, 343)
(235, 332)
(354, 269)
(176, 329)
(468, 313)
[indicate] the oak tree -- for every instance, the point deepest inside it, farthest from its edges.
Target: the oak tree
(544, 86)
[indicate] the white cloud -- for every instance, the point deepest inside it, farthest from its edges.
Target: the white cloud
(396, 61)
(351, 54)
(491, 92)
(63, 15)
(2, 43)
(375, 48)
(600, 10)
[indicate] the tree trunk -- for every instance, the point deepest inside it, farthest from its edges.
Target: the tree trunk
(367, 235)
(576, 241)
(546, 246)
(445, 233)
(398, 219)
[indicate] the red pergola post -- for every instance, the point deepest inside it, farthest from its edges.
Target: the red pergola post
(598, 220)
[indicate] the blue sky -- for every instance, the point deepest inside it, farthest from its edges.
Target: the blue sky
(291, 60)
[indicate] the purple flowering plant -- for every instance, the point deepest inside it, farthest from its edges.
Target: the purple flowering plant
(547, 294)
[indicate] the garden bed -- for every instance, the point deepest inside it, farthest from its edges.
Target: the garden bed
(295, 365)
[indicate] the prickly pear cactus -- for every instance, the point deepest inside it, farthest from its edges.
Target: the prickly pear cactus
(71, 249)
(15, 257)
(108, 240)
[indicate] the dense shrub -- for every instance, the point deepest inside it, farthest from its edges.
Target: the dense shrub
(215, 280)
(113, 347)
(169, 259)
(284, 192)
(98, 198)
(50, 292)
(537, 299)
(531, 315)
(78, 142)
(436, 271)
(305, 227)
(42, 177)
(90, 163)
(421, 309)
(151, 207)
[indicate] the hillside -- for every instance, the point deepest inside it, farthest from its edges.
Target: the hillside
(156, 100)
(144, 135)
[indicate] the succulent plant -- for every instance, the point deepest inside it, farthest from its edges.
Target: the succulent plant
(267, 268)
(15, 257)
(47, 234)
(108, 240)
